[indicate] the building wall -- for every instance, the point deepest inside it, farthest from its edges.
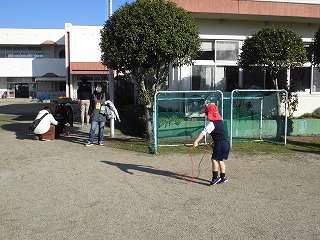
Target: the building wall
(83, 56)
(236, 20)
(84, 43)
(32, 60)
(243, 9)
(18, 36)
(232, 20)
(31, 67)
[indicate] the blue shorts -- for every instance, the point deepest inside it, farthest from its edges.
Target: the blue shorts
(221, 150)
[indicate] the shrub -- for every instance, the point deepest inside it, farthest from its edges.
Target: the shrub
(133, 120)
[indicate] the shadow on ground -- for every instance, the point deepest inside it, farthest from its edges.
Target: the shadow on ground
(130, 168)
(22, 132)
(309, 147)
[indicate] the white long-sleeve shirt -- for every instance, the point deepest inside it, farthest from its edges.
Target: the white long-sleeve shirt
(45, 123)
(208, 128)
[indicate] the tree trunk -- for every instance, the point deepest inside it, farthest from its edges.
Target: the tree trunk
(279, 123)
(148, 116)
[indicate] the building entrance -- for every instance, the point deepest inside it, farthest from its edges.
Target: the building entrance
(21, 90)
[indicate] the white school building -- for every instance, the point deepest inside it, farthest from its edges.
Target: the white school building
(49, 63)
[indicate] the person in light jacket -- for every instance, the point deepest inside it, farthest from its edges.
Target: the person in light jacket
(46, 129)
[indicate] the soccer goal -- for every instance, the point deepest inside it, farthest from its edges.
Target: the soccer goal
(178, 116)
(257, 115)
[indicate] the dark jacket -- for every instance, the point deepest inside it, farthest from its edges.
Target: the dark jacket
(97, 100)
(84, 92)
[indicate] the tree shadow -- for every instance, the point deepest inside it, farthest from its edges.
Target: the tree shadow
(30, 109)
(22, 132)
(129, 168)
(309, 147)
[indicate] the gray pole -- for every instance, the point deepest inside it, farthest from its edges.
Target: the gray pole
(111, 83)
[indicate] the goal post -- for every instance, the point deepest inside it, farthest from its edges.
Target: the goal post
(248, 115)
(178, 116)
(255, 115)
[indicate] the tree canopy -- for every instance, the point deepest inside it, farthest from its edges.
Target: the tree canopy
(145, 38)
(149, 33)
(276, 48)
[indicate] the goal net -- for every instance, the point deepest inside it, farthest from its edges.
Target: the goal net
(178, 116)
(248, 115)
(257, 115)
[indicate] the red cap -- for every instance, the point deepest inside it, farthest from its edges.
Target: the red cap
(213, 112)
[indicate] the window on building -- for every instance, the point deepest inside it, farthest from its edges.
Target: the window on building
(316, 80)
(62, 54)
(37, 52)
(207, 51)
(8, 52)
(307, 47)
(202, 77)
(300, 79)
(2, 52)
(20, 52)
(219, 50)
(227, 50)
(232, 78)
(254, 78)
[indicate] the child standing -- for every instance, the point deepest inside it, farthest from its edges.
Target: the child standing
(221, 146)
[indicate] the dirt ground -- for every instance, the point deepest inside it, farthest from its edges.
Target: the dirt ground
(63, 190)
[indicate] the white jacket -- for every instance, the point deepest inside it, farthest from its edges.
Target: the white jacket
(113, 109)
(45, 123)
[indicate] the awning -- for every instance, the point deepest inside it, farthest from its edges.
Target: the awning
(50, 79)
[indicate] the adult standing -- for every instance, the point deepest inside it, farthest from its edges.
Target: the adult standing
(84, 96)
(46, 128)
(98, 116)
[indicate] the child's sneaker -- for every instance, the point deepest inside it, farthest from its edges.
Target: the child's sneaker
(89, 144)
(100, 144)
(215, 181)
(224, 179)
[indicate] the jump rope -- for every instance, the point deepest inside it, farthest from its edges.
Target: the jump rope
(192, 177)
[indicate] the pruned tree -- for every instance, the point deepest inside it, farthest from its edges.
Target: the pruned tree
(277, 49)
(146, 38)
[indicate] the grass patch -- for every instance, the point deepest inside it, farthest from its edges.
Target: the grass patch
(295, 144)
(310, 144)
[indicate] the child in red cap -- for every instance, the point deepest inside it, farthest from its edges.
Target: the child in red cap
(221, 146)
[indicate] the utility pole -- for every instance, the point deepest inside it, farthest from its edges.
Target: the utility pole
(111, 83)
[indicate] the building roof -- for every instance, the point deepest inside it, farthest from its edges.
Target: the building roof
(252, 10)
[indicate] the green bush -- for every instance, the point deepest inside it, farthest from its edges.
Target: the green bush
(310, 115)
(133, 121)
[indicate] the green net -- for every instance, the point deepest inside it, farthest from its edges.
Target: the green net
(248, 115)
(179, 115)
(257, 115)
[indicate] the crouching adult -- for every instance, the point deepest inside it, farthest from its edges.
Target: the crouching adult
(46, 129)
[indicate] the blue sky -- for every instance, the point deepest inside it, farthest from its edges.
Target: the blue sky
(55, 13)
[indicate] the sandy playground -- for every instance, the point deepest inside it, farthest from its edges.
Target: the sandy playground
(63, 190)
